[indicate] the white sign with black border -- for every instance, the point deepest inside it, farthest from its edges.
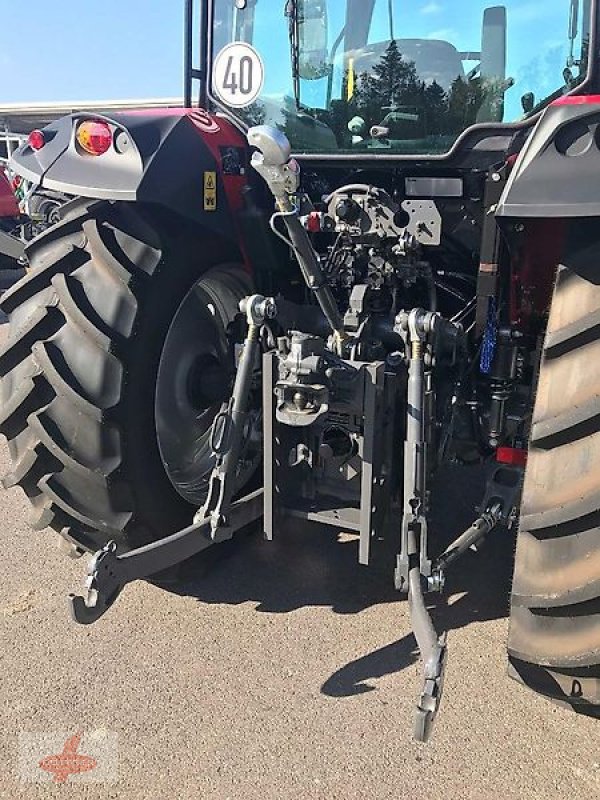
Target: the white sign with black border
(238, 75)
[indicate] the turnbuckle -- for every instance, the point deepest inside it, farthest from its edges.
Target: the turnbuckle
(229, 425)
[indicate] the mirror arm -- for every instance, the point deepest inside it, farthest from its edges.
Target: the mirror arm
(573, 30)
(473, 72)
(291, 11)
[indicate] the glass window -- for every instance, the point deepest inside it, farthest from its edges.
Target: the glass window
(404, 76)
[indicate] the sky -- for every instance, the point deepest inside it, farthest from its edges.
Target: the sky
(115, 49)
(537, 39)
(81, 50)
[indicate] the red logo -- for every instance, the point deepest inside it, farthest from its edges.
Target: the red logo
(203, 121)
(69, 762)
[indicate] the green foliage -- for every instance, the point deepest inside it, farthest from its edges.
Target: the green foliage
(392, 82)
(392, 94)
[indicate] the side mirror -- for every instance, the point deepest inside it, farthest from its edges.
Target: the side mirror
(313, 56)
(493, 44)
(528, 102)
(574, 20)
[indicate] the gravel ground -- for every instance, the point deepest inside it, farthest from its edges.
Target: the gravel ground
(276, 670)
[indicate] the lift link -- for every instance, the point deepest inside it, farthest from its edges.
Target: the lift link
(421, 331)
(229, 425)
(217, 520)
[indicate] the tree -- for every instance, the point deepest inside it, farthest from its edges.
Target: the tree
(435, 101)
(464, 102)
(392, 83)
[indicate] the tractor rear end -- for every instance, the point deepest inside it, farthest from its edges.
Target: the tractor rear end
(305, 300)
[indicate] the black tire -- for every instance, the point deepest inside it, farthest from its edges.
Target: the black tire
(79, 369)
(8, 264)
(8, 277)
(554, 642)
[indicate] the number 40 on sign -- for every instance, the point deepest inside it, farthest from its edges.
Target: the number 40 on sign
(238, 75)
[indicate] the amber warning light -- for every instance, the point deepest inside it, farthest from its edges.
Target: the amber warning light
(95, 137)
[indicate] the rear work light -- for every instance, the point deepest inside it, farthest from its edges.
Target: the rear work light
(94, 137)
(36, 140)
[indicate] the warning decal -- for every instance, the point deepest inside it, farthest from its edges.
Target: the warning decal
(210, 191)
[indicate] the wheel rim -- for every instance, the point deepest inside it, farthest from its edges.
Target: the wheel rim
(53, 214)
(195, 377)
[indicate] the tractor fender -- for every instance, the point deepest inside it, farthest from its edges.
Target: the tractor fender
(11, 246)
(558, 170)
(186, 160)
(8, 201)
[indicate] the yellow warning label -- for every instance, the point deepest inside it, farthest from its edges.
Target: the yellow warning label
(210, 191)
(350, 93)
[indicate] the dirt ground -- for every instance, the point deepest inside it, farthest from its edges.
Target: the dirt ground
(276, 670)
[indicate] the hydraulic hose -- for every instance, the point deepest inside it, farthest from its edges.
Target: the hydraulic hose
(311, 268)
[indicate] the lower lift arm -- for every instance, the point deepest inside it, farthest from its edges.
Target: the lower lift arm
(217, 520)
(423, 333)
(419, 328)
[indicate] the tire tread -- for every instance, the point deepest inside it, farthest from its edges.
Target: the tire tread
(555, 615)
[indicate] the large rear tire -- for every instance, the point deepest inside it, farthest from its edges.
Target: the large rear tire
(78, 374)
(554, 643)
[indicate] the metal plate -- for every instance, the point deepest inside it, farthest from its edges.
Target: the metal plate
(425, 222)
(433, 187)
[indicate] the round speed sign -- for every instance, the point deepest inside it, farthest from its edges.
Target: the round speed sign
(238, 75)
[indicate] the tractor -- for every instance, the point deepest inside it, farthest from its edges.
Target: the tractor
(366, 247)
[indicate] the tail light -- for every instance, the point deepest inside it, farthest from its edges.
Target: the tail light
(95, 137)
(514, 456)
(36, 140)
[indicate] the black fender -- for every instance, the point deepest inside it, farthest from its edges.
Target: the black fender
(11, 247)
(557, 174)
(170, 158)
